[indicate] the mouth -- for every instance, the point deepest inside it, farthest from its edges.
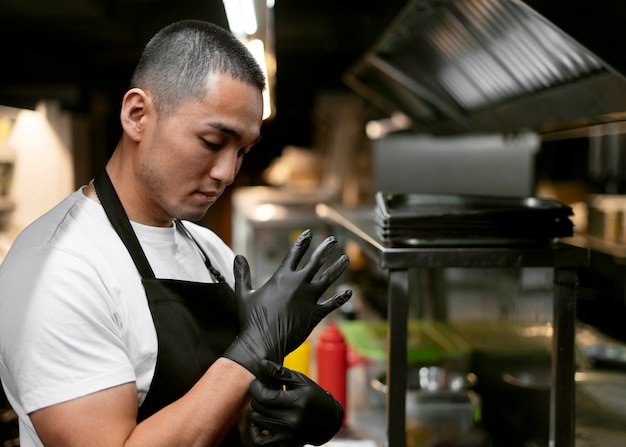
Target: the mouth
(208, 197)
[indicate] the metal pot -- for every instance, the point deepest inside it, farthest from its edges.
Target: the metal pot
(431, 379)
(441, 408)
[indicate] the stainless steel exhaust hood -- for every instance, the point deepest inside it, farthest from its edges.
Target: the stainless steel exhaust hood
(474, 66)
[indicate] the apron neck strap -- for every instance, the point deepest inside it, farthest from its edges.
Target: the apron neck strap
(207, 261)
(119, 219)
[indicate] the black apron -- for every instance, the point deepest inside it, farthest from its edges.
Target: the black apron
(195, 322)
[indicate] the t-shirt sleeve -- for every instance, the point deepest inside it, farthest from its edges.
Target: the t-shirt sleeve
(64, 339)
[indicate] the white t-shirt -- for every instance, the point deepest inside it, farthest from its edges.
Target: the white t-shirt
(74, 317)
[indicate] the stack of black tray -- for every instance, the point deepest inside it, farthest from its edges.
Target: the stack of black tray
(410, 219)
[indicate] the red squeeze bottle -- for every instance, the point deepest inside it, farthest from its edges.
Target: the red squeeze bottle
(332, 364)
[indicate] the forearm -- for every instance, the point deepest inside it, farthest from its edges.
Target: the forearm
(203, 416)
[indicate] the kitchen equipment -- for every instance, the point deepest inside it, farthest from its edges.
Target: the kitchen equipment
(6, 177)
(266, 221)
(6, 209)
(608, 390)
(480, 164)
(600, 406)
(431, 379)
(441, 408)
(462, 66)
(461, 220)
(606, 217)
(526, 413)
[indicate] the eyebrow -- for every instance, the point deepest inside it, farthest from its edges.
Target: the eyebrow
(228, 130)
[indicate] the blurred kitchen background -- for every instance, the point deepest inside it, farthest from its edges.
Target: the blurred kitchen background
(503, 98)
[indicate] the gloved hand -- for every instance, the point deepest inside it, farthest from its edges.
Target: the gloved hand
(302, 413)
(279, 316)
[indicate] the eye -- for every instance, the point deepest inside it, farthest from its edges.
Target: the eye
(243, 151)
(210, 145)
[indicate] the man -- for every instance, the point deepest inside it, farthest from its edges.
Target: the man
(119, 325)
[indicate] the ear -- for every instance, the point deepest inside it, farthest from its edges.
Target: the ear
(136, 108)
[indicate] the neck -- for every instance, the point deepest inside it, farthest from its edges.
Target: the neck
(132, 193)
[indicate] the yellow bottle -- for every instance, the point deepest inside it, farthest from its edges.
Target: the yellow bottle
(300, 359)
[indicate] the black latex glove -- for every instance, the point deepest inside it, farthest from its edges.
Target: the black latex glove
(301, 413)
(279, 316)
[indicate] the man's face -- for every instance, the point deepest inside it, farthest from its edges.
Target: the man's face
(195, 153)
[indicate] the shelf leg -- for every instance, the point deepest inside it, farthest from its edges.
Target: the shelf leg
(563, 391)
(397, 320)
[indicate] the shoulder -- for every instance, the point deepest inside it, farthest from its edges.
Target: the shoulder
(71, 251)
(75, 232)
(69, 258)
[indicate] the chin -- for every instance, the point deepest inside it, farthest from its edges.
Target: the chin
(192, 215)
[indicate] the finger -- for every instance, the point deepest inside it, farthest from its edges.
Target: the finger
(271, 424)
(319, 257)
(272, 401)
(297, 251)
(273, 430)
(332, 273)
(336, 301)
(326, 307)
(241, 271)
(257, 434)
(262, 437)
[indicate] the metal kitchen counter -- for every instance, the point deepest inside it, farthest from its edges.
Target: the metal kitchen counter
(358, 224)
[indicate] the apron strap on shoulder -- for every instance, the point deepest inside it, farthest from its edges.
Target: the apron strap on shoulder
(119, 219)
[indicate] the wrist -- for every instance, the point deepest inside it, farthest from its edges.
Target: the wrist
(236, 368)
(244, 351)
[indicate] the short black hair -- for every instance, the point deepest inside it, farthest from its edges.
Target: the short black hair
(176, 63)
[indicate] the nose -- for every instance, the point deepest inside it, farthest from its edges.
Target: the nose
(225, 167)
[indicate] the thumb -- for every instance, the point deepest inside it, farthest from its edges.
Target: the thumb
(273, 374)
(241, 271)
(262, 394)
(278, 374)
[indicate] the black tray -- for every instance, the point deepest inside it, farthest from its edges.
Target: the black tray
(428, 220)
(403, 207)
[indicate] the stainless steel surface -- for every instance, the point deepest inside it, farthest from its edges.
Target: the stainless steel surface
(565, 260)
(464, 66)
(600, 409)
(492, 164)
(360, 223)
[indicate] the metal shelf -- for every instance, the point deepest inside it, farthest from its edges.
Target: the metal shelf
(565, 259)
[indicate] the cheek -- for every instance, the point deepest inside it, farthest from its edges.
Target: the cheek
(182, 168)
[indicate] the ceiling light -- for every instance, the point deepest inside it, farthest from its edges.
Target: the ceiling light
(255, 46)
(241, 17)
